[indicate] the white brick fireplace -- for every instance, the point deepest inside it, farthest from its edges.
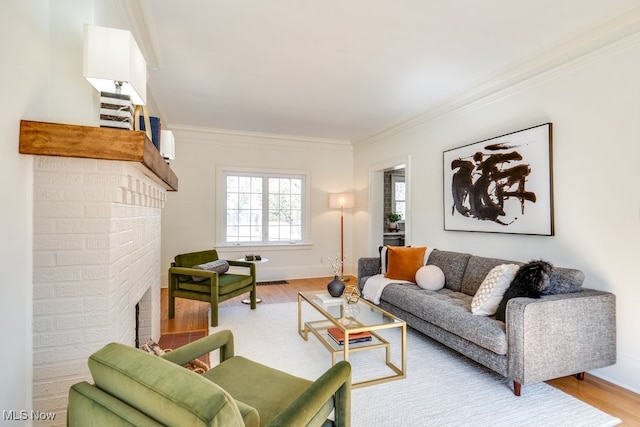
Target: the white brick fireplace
(96, 255)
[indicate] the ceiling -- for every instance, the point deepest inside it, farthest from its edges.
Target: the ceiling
(343, 70)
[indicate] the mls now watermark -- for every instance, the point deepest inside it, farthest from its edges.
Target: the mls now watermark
(24, 415)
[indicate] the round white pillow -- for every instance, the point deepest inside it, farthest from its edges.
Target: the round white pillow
(430, 277)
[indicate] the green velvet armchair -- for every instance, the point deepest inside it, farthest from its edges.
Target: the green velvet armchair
(135, 388)
(215, 287)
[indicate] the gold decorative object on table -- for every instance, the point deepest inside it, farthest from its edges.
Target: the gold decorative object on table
(351, 294)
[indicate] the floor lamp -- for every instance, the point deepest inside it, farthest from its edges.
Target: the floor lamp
(342, 201)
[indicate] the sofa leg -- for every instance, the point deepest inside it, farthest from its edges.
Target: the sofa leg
(517, 388)
(580, 376)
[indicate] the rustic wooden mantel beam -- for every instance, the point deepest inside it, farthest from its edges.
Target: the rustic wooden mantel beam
(56, 139)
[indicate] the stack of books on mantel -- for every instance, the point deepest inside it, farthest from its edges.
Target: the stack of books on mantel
(116, 111)
(338, 336)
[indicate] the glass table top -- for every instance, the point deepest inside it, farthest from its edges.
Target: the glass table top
(351, 315)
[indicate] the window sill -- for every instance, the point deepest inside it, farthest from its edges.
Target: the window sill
(243, 247)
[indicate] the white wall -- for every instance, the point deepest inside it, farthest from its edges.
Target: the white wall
(22, 73)
(41, 75)
(593, 105)
(189, 217)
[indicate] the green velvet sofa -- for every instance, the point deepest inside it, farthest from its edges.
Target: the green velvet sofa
(135, 388)
(215, 287)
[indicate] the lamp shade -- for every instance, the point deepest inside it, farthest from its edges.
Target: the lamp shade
(112, 55)
(341, 200)
(167, 145)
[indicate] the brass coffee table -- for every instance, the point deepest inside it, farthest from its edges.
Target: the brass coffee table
(352, 318)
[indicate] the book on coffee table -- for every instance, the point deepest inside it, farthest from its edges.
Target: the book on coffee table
(338, 336)
(326, 299)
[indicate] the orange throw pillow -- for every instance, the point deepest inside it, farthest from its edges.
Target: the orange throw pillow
(404, 262)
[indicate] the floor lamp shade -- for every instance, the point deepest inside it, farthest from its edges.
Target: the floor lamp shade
(113, 62)
(341, 200)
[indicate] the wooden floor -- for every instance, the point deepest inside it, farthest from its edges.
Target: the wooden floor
(190, 323)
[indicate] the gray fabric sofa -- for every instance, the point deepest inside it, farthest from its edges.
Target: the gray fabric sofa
(541, 339)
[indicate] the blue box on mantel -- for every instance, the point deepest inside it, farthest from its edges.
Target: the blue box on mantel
(155, 130)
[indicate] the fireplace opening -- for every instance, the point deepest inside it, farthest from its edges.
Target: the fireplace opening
(137, 326)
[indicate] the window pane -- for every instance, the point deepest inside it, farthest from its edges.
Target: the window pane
(296, 233)
(274, 201)
(400, 208)
(232, 184)
(256, 185)
(246, 208)
(285, 186)
(244, 185)
(296, 202)
(296, 217)
(244, 201)
(296, 186)
(256, 201)
(399, 191)
(274, 185)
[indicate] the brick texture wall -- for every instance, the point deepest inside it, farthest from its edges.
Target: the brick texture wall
(96, 255)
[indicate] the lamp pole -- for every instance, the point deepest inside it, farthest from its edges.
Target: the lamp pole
(342, 201)
(342, 243)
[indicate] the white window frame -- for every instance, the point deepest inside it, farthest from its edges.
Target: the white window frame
(221, 205)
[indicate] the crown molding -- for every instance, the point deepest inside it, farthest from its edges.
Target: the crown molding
(137, 16)
(204, 135)
(596, 41)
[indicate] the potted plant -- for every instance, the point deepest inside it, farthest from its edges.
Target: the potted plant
(393, 219)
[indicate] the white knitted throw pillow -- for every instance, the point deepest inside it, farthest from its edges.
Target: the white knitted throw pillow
(486, 300)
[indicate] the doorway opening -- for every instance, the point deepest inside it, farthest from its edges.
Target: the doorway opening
(390, 193)
(394, 206)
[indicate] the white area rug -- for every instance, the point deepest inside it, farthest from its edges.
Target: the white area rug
(442, 388)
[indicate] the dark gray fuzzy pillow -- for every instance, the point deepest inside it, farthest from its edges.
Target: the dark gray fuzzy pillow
(531, 280)
(564, 281)
(220, 266)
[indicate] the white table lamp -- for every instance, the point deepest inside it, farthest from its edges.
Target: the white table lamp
(167, 145)
(115, 67)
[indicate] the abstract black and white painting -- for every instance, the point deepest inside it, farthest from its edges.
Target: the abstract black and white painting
(501, 185)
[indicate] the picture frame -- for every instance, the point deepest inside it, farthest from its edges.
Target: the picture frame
(502, 184)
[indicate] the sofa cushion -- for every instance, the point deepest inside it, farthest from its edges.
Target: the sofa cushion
(384, 259)
(477, 269)
(227, 283)
(404, 262)
(485, 301)
(564, 281)
(270, 396)
(450, 311)
(453, 264)
(160, 389)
